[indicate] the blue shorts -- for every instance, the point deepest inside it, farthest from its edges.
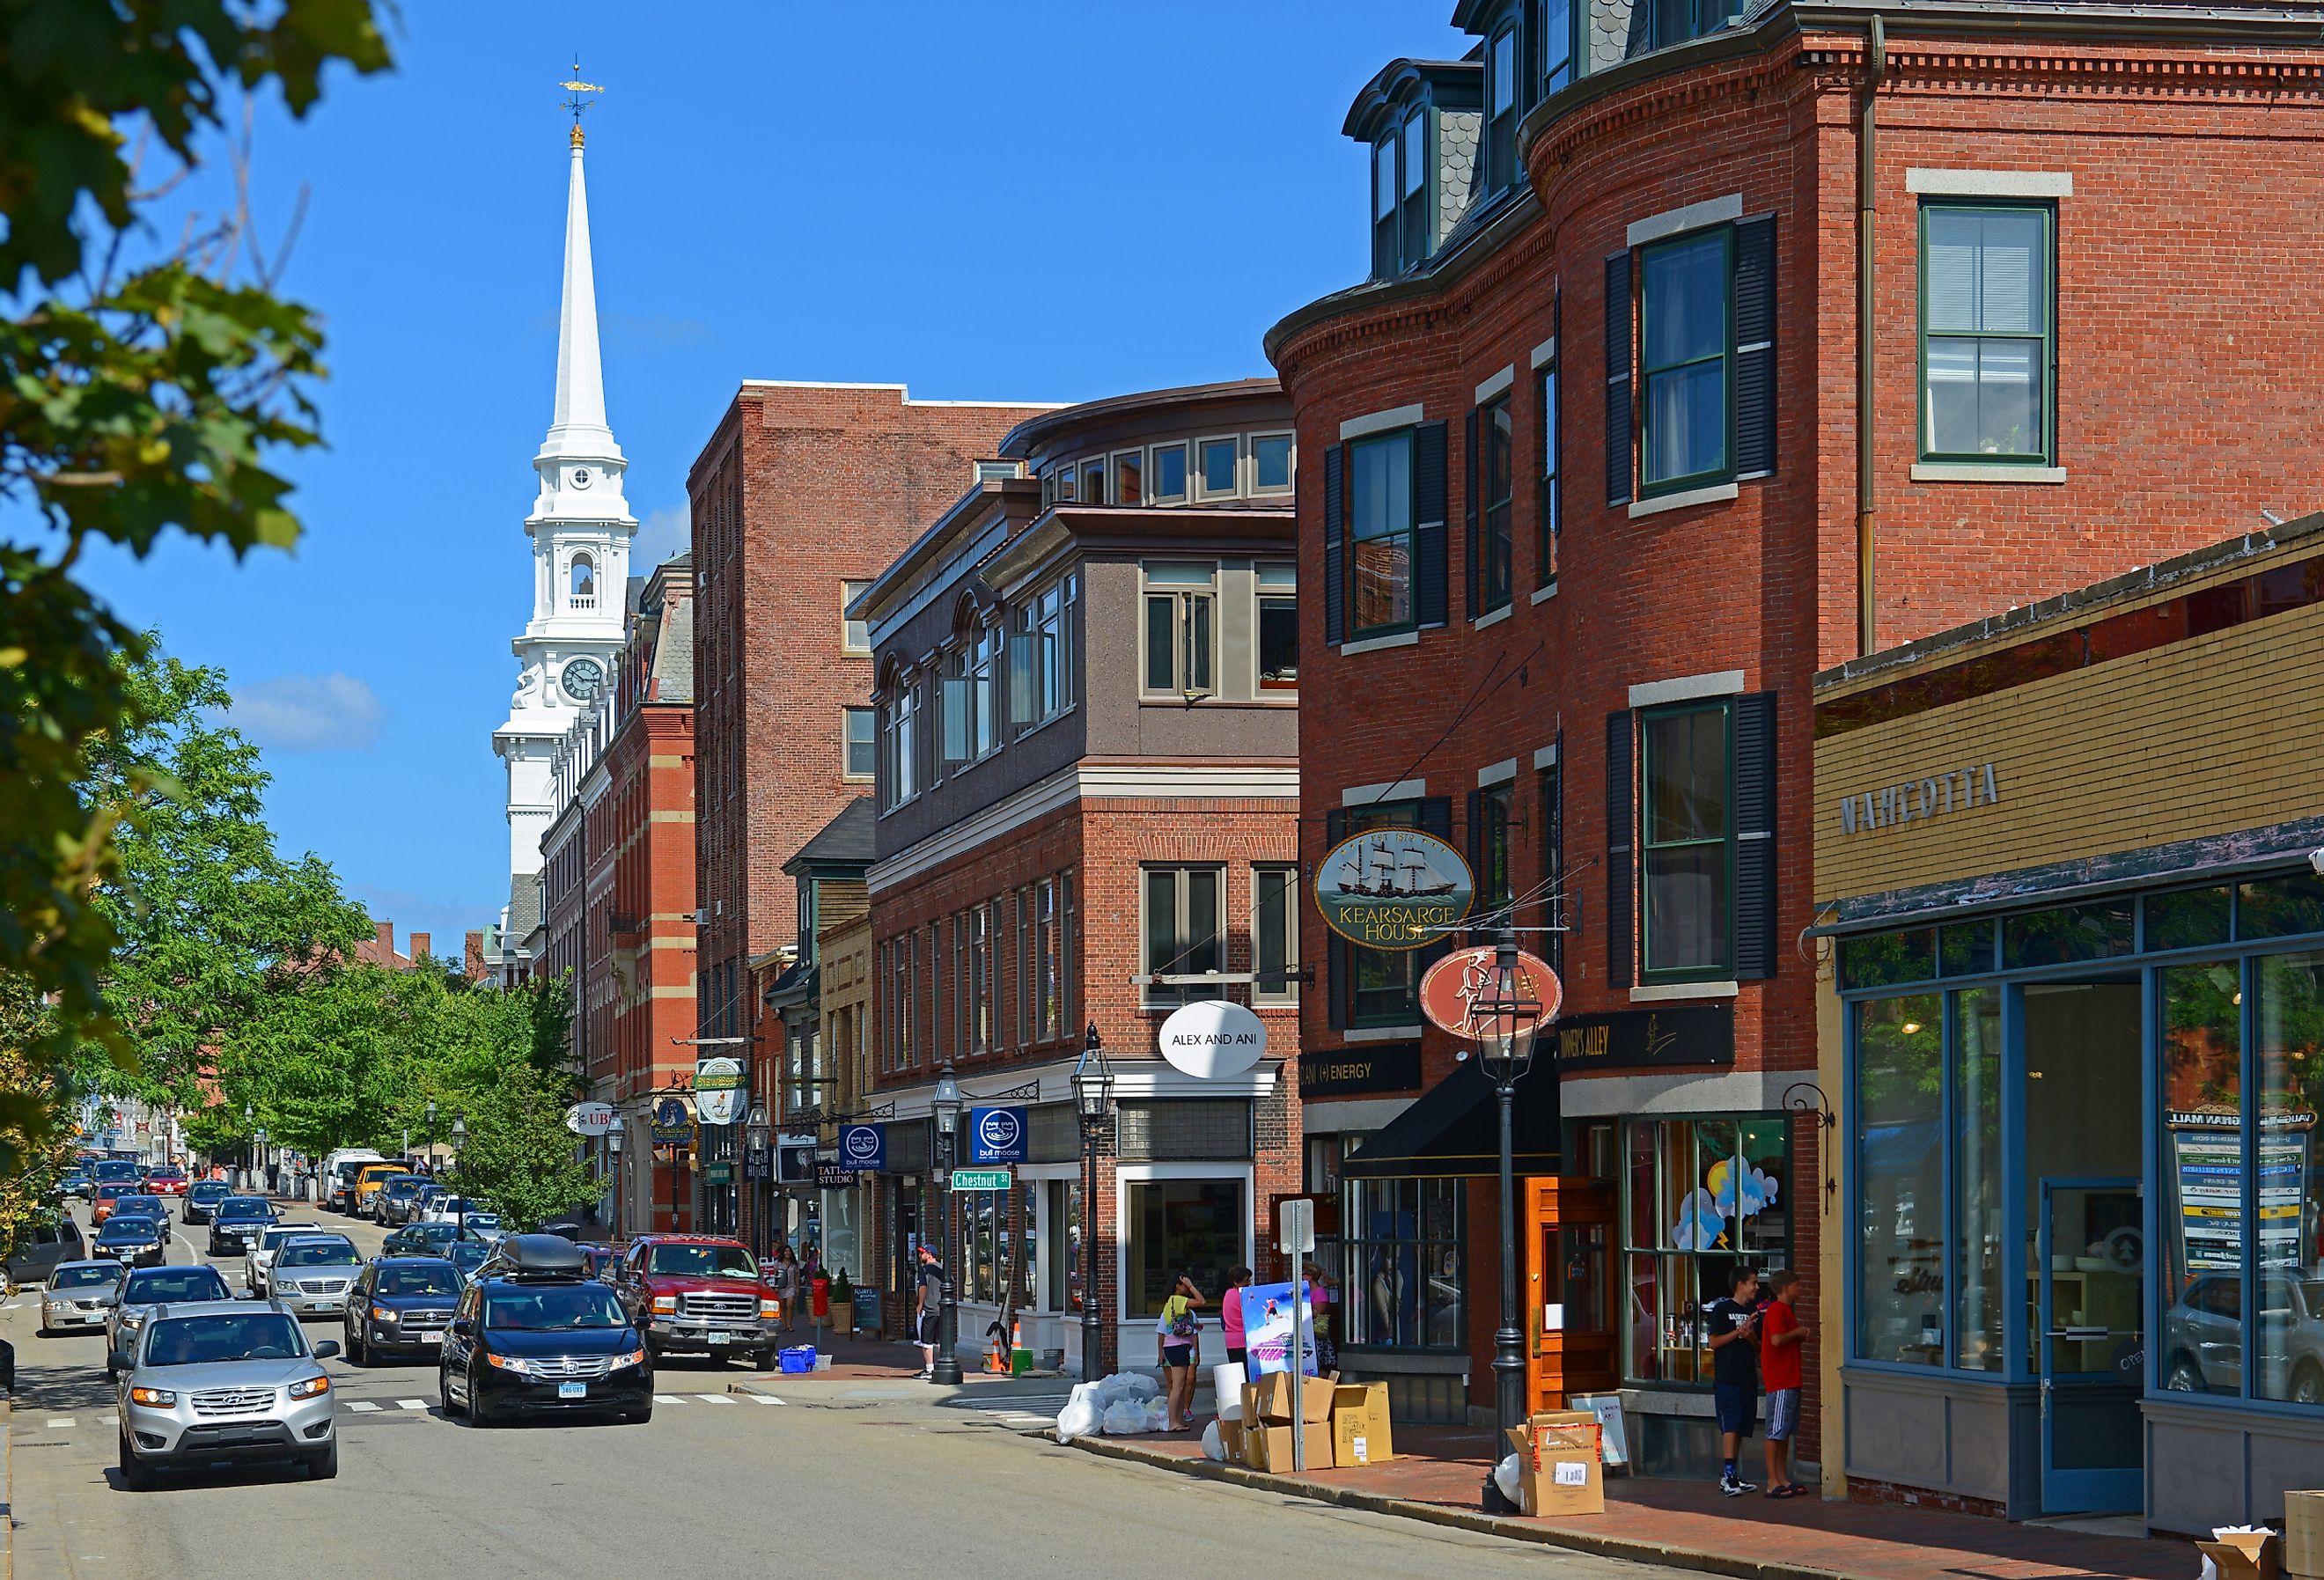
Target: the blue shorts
(1736, 1406)
(1783, 1414)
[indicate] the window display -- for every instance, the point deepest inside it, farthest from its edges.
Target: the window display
(2203, 1177)
(1701, 1194)
(2289, 1064)
(1191, 1226)
(1405, 1286)
(1900, 1165)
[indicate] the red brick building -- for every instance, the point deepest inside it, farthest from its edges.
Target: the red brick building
(802, 494)
(1584, 509)
(1088, 694)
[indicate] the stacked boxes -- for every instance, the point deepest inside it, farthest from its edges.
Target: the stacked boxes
(1268, 1423)
(1360, 1429)
(2303, 1535)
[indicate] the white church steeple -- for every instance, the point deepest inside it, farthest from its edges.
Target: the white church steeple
(580, 528)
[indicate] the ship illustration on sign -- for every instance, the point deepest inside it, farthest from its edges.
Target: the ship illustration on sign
(1393, 887)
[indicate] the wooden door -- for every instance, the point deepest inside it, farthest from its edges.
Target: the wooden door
(1570, 1335)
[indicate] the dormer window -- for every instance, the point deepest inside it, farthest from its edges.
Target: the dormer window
(1501, 110)
(1422, 122)
(1553, 27)
(1400, 238)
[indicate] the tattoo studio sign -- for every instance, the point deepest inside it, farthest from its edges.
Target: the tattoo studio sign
(1393, 889)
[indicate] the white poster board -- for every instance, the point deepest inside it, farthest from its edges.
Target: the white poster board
(1608, 1409)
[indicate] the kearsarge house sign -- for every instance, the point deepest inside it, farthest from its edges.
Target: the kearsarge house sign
(1916, 800)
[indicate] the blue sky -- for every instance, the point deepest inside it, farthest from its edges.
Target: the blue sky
(1037, 201)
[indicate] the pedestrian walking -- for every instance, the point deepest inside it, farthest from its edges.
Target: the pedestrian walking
(1230, 1326)
(1732, 1325)
(1177, 1343)
(1781, 1337)
(1320, 1297)
(931, 1309)
(785, 1276)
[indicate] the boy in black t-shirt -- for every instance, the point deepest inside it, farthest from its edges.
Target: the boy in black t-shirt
(1732, 1325)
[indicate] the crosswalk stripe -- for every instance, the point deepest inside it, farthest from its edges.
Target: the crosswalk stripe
(411, 1404)
(763, 1398)
(714, 1399)
(108, 1420)
(668, 1399)
(363, 1405)
(60, 1421)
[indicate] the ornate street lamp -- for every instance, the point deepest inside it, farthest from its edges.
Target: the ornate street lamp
(459, 1140)
(1094, 1102)
(620, 1179)
(946, 1105)
(758, 1130)
(1508, 1011)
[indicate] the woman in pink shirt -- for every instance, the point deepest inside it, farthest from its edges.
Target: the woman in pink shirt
(1231, 1313)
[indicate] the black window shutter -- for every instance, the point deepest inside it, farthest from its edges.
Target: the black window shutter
(1755, 836)
(1436, 818)
(1335, 531)
(1755, 346)
(1468, 509)
(1341, 989)
(1477, 849)
(1618, 379)
(1621, 944)
(1428, 505)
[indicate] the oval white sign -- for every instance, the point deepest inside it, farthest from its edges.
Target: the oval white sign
(1214, 1038)
(589, 1119)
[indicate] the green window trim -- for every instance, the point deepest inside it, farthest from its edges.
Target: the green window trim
(1496, 480)
(1649, 846)
(1407, 531)
(2045, 298)
(1723, 358)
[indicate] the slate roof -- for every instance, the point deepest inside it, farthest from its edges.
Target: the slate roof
(847, 840)
(673, 659)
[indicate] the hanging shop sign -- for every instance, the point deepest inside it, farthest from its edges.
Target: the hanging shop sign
(997, 1135)
(795, 1160)
(589, 1119)
(1393, 887)
(1454, 988)
(1356, 1072)
(758, 1163)
(832, 1176)
(1214, 1039)
(673, 1123)
(718, 1084)
(718, 1173)
(863, 1147)
(1690, 1034)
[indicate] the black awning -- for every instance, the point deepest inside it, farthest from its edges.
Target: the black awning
(1454, 1129)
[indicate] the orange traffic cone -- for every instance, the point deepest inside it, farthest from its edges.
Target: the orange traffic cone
(994, 1360)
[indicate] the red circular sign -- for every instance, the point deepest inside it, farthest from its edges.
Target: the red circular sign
(1454, 986)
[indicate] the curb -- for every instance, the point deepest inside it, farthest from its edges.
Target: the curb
(806, 1387)
(1604, 1547)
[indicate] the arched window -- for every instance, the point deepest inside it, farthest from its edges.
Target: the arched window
(585, 582)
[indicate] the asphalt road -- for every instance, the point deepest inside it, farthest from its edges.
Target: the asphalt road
(716, 1483)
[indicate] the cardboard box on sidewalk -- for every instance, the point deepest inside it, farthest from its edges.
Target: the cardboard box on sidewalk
(1269, 1446)
(1230, 1440)
(2303, 1535)
(1559, 1469)
(1272, 1393)
(2242, 1555)
(1360, 1426)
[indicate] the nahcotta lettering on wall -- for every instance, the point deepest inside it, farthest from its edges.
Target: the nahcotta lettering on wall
(1916, 800)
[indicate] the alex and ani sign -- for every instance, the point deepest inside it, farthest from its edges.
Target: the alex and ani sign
(1916, 800)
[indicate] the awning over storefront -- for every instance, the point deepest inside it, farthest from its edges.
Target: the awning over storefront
(1454, 1129)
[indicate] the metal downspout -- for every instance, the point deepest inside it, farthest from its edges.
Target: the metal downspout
(1867, 203)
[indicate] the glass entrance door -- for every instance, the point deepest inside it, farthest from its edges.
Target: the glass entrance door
(2090, 1342)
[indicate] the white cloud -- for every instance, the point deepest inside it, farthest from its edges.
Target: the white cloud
(309, 713)
(663, 533)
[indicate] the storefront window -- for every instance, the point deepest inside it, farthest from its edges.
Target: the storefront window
(1064, 1262)
(2186, 919)
(1900, 1173)
(1701, 1194)
(843, 1232)
(2202, 1212)
(2095, 931)
(1977, 1237)
(1406, 1285)
(2290, 1069)
(1191, 1226)
(2279, 908)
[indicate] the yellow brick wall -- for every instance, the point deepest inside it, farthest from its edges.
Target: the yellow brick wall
(2207, 736)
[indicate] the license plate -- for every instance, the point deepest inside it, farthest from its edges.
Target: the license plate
(722, 1338)
(435, 1336)
(572, 1390)
(327, 1305)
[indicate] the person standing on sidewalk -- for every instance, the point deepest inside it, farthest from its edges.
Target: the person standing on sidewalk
(1781, 1336)
(1231, 1326)
(1733, 1328)
(931, 1309)
(1177, 1341)
(785, 1276)
(1319, 1311)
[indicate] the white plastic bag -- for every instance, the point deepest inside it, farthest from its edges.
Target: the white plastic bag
(1157, 1415)
(1130, 1385)
(1125, 1417)
(1506, 1477)
(1213, 1445)
(1081, 1416)
(1227, 1379)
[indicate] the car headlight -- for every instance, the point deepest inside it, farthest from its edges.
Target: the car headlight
(636, 1357)
(516, 1363)
(159, 1398)
(312, 1388)
(133, 1319)
(382, 1314)
(770, 1307)
(666, 1305)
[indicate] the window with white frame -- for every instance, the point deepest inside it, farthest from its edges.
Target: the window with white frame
(856, 744)
(854, 635)
(1167, 486)
(1181, 598)
(1182, 925)
(1214, 467)
(1270, 463)
(1040, 652)
(1277, 626)
(971, 696)
(900, 744)
(1275, 935)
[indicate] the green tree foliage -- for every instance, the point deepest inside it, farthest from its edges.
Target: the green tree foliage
(144, 388)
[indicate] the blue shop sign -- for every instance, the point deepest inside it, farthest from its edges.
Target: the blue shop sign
(863, 1147)
(996, 1135)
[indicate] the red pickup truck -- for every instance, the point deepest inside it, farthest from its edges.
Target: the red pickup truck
(699, 1294)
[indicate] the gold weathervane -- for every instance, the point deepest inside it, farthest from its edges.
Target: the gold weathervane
(578, 97)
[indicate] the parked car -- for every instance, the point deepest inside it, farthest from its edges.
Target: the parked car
(339, 1171)
(143, 1289)
(202, 1197)
(168, 1179)
(532, 1334)
(402, 1303)
(312, 1274)
(39, 1247)
(133, 1242)
(397, 1199)
(77, 1295)
(237, 1221)
(262, 1252)
(2206, 1335)
(420, 1240)
(702, 1294)
(232, 1381)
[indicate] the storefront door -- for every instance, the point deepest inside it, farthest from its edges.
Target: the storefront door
(2091, 1260)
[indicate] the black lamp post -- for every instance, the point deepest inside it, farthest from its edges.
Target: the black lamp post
(620, 1179)
(249, 1147)
(946, 1107)
(432, 1161)
(459, 1140)
(760, 1133)
(1094, 1102)
(1506, 1017)
(259, 1153)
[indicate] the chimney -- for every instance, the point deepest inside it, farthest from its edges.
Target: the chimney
(384, 936)
(418, 948)
(473, 956)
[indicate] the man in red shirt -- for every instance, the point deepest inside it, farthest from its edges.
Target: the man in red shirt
(1781, 1334)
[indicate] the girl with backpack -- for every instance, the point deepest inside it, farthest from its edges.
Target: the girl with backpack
(1177, 1342)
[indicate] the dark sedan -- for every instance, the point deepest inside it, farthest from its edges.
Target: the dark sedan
(202, 1197)
(401, 1303)
(420, 1240)
(133, 1241)
(237, 1221)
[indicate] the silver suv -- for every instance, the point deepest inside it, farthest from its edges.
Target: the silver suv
(261, 1254)
(225, 1379)
(312, 1273)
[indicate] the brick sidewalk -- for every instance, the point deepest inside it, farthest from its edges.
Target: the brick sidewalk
(863, 1358)
(1441, 1471)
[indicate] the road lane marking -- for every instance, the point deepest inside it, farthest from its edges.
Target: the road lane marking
(60, 1421)
(668, 1399)
(108, 1420)
(365, 1405)
(763, 1398)
(714, 1399)
(411, 1404)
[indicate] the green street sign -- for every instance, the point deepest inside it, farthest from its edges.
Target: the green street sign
(980, 1179)
(718, 1173)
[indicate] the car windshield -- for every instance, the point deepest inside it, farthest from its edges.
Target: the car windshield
(702, 1261)
(243, 1336)
(319, 1253)
(154, 1285)
(111, 1192)
(127, 1232)
(419, 1280)
(133, 1206)
(82, 1277)
(208, 1187)
(553, 1307)
(244, 1207)
(172, 1172)
(468, 1255)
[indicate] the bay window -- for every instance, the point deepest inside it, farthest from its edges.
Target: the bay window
(1179, 628)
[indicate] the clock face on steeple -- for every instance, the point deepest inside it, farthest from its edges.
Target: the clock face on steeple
(581, 678)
